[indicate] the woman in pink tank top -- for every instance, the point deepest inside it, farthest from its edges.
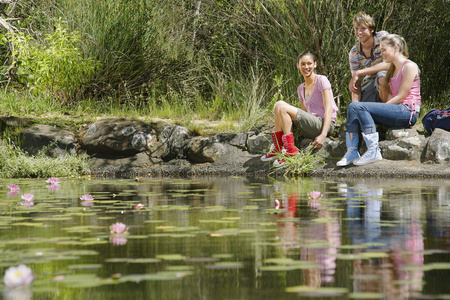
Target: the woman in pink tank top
(316, 117)
(400, 110)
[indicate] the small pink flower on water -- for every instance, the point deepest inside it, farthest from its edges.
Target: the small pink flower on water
(139, 206)
(277, 204)
(18, 276)
(12, 187)
(314, 195)
(28, 197)
(27, 203)
(87, 197)
(118, 228)
(53, 180)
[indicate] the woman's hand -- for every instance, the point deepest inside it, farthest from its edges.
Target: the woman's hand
(318, 141)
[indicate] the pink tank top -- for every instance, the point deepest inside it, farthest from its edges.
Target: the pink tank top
(413, 98)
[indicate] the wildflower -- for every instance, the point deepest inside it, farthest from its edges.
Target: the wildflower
(87, 197)
(53, 181)
(314, 195)
(118, 228)
(28, 197)
(18, 276)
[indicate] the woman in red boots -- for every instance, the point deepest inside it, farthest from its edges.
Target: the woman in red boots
(317, 115)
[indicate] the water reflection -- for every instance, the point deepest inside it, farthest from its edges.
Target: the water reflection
(252, 238)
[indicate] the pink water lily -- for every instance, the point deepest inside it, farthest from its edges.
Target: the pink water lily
(118, 228)
(314, 195)
(28, 197)
(87, 197)
(53, 181)
(139, 206)
(277, 204)
(18, 276)
(13, 187)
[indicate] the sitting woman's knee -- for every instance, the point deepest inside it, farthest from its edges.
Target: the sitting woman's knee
(278, 107)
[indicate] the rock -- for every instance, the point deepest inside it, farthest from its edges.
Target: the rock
(234, 139)
(403, 148)
(333, 148)
(174, 139)
(118, 136)
(56, 141)
(201, 150)
(259, 144)
(11, 122)
(397, 133)
(438, 147)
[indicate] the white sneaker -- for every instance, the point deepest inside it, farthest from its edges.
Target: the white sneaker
(272, 153)
(350, 156)
(372, 155)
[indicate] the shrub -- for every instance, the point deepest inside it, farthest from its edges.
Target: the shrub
(54, 64)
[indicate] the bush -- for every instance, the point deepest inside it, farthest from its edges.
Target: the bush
(55, 65)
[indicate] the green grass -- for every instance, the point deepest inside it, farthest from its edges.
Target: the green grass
(14, 163)
(299, 165)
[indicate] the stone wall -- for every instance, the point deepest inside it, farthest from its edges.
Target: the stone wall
(119, 145)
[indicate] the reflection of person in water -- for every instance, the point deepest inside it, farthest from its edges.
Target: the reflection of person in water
(288, 230)
(317, 241)
(388, 275)
(402, 241)
(319, 244)
(363, 216)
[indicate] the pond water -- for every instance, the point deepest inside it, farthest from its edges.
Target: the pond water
(227, 238)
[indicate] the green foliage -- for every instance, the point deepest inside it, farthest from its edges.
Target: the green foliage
(301, 164)
(197, 56)
(14, 163)
(54, 64)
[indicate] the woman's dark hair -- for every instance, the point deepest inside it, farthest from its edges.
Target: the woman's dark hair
(307, 52)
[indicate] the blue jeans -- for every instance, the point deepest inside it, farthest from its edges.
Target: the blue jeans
(364, 115)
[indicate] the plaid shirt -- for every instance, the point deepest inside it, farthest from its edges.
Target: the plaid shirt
(357, 58)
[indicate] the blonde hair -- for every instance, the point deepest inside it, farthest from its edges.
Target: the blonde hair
(362, 18)
(392, 40)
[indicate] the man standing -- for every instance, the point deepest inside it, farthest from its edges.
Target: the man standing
(365, 60)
